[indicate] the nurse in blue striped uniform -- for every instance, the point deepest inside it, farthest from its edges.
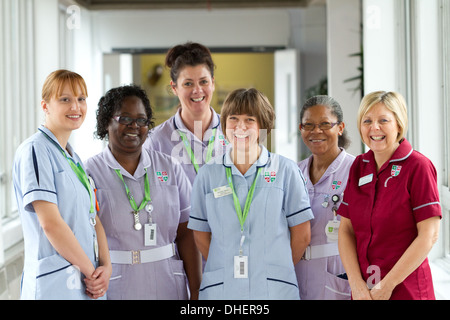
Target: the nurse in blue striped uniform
(66, 255)
(250, 210)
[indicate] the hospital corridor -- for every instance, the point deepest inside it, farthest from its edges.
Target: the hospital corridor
(347, 180)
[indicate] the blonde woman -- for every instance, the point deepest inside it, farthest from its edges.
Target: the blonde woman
(391, 211)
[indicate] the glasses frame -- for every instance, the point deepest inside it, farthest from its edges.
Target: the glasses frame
(318, 125)
(117, 118)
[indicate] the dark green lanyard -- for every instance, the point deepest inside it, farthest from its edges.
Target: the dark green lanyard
(191, 153)
(79, 171)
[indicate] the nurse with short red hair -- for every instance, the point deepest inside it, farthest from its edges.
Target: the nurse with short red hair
(390, 213)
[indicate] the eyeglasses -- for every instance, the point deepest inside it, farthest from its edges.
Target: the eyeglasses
(126, 121)
(322, 126)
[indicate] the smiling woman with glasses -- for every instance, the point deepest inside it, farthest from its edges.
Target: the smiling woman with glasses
(144, 202)
(141, 122)
(320, 273)
(322, 126)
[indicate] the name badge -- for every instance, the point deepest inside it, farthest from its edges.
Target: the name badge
(222, 191)
(332, 230)
(365, 180)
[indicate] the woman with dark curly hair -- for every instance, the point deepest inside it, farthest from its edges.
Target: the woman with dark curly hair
(144, 200)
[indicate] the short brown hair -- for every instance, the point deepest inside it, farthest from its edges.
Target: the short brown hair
(251, 102)
(55, 82)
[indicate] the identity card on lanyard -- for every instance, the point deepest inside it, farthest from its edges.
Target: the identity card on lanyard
(150, 227)
(241, 261)
(191, 153)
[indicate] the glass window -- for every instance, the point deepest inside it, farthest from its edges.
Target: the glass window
(445, 31)
(17, 105)
(445, 196)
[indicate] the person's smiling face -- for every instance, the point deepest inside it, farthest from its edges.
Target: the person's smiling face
(380, 130)
(194, 88)
(66, 112)
(320, 141)
(128, 138)
(242, 132)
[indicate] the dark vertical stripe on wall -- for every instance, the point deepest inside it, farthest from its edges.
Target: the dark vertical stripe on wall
(35, 164)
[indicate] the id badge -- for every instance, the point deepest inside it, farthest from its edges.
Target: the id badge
(241, 267)
(96, 248)
(150, 234)
(332, 230)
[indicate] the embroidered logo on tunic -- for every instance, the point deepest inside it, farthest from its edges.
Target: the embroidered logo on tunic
(222, 140)
(270, 176)
(336, 184)
(395, 171)
(162, 176)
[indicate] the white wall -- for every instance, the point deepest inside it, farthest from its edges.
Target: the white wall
(343, 38)
(380, 49)
(164, 28)
(46, 46)
(308, 34)
(87, 60)
(303, 29)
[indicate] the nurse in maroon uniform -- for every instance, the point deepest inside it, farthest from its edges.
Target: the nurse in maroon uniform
(390, 213)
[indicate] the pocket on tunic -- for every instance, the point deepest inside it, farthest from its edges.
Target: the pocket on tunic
(282, 283)
(211, 287)
(180, 277)
(336, 288)
(116, 272)
(57, 279)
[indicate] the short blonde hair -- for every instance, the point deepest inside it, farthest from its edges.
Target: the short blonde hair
(55, 82)
(251, 102)
(393, 101)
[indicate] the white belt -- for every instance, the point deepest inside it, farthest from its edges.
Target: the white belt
(142, 256)
(321, 251)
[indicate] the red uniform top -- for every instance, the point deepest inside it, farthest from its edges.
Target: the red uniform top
(384, 208)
